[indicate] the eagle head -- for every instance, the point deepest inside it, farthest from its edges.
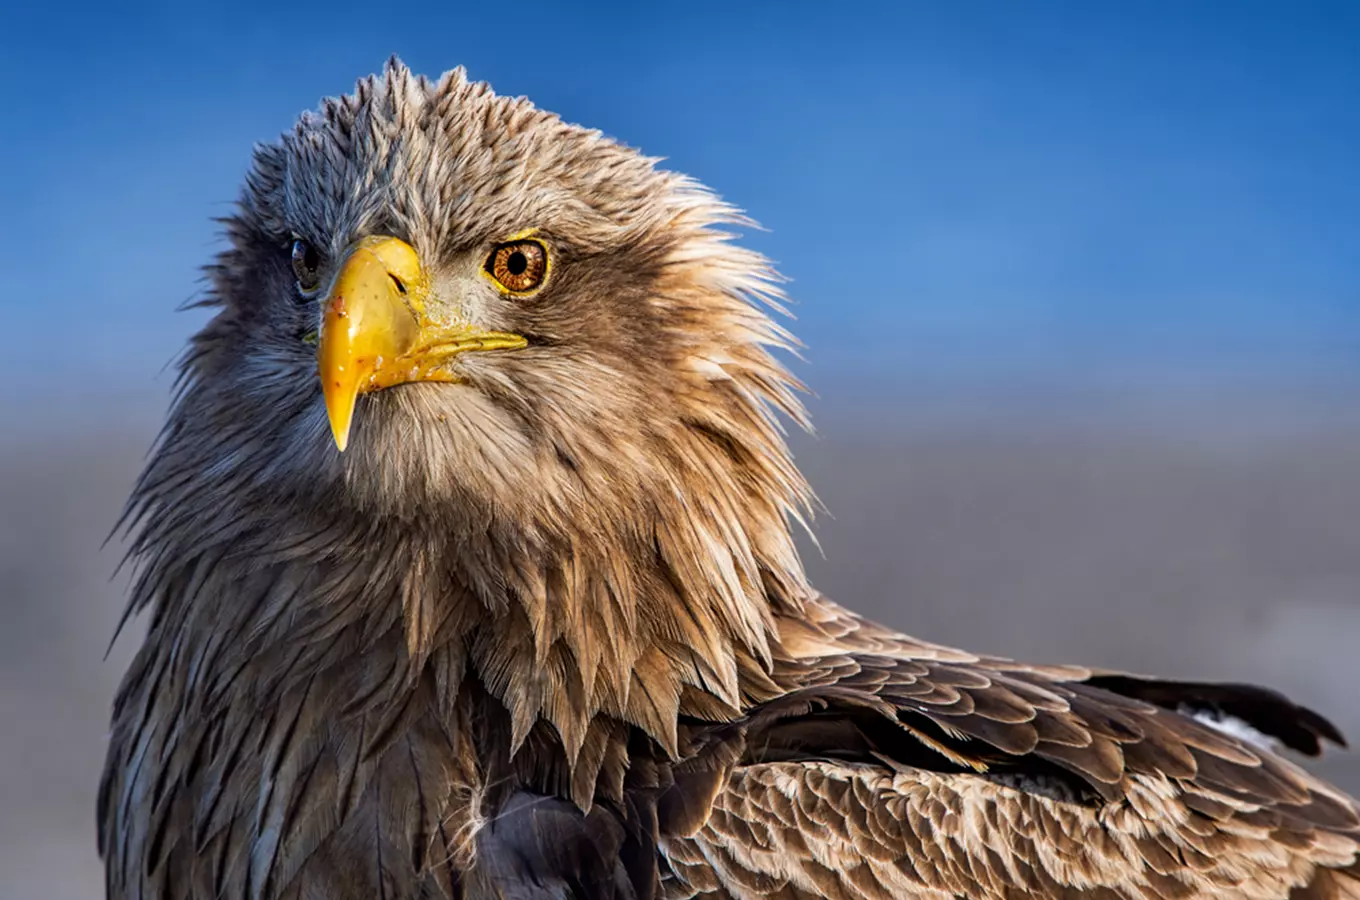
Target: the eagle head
(433, 293)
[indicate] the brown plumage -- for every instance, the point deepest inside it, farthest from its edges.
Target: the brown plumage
(541, 629)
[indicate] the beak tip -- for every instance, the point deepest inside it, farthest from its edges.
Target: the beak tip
(340, 428)
(340, 413)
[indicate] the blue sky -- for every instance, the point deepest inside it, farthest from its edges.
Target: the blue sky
(1065, 187)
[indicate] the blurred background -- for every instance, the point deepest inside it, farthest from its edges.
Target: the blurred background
(1080, 285)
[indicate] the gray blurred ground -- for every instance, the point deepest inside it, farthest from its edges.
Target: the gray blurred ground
(1210, 536)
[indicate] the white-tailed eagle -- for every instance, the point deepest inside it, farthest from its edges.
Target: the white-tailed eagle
(467, 559)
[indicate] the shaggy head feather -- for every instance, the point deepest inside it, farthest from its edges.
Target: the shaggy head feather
(605, 507)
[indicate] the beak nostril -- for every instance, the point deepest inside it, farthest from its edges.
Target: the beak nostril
(401, 287)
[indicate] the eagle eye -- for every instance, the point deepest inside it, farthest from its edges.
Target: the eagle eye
(518, 266)
(306, 267)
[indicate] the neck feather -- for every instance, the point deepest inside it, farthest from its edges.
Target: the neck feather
(660, 611)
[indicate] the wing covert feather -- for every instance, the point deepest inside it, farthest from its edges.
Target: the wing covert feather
(967, 776)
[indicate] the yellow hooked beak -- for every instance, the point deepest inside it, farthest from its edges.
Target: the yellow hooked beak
(376, 333)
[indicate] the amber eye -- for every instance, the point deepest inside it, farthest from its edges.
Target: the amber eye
(519, 266)
(307, 267)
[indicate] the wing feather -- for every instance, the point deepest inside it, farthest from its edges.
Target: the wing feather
(892, 767)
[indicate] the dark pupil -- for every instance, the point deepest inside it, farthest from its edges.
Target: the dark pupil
(517, 263)
(306, 255)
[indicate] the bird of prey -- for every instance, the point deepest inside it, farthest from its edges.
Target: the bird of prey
(467, 558)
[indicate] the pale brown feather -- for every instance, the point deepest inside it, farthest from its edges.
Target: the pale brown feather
(894, 768)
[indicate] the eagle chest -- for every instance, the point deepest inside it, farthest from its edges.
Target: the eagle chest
(348, 787)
